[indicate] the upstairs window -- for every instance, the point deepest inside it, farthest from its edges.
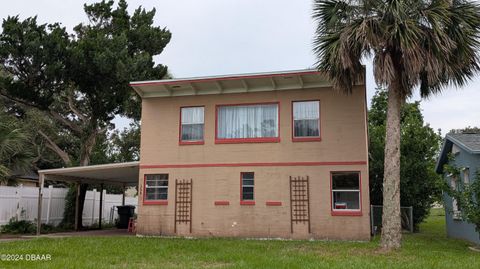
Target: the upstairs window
(156, 187)
(345, 191)
(306, 120)
(247, 123)
(192, 125)
(247, 188)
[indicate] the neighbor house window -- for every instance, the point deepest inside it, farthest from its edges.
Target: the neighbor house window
(455, 208)
(306, 120)
(345, 192)
(247, 187)
(156, 187)
(466, 175)
(192, 125)
(247, 123)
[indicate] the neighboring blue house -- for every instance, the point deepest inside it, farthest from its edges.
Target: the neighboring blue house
(465, 148)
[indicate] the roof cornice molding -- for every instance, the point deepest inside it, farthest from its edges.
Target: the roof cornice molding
(239, 83)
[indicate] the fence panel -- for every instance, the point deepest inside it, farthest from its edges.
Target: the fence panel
(22, 202)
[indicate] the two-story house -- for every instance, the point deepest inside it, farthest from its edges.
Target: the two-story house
(253, 155)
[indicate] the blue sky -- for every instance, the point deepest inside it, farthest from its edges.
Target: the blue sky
(214, 37)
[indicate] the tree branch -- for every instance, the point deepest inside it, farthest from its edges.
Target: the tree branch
(20, 101)
(70, 125)
(87, 148)
(75, 110)
(55, 115)
(55, 148)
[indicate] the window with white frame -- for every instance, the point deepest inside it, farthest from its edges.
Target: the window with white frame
(455, 208)
(466, 175)
(247, 121)
(247, 186)
(306, 119)
(156, 187)
(192, 120)
(345, 191)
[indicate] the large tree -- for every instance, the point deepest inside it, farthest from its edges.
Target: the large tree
(80, 81)
(420, 185)
(427, 44)
(125, 145)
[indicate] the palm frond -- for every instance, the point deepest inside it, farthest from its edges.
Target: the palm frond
(431, 44)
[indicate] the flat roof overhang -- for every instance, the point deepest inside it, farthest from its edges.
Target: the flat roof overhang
(124, 174)
(239, 83)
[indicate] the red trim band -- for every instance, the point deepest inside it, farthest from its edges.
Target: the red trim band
(306, 139)
(182, 143)
(221, 203)
(158, 202)
(197, 165)
(273, 203)
(346, 213)
(247, 202)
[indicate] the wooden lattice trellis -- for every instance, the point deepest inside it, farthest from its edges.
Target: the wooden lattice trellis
(183, 202)
(299, 201)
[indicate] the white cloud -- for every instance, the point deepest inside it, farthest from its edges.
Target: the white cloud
(212, 37)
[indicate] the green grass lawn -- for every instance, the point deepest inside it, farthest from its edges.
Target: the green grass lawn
(427, 249)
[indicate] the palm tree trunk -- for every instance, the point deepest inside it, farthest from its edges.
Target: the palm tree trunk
(391, 221)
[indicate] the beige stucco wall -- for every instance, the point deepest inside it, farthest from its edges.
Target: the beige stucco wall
(343, 132)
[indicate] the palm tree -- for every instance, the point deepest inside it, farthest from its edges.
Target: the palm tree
(415, 44)
(15, 153)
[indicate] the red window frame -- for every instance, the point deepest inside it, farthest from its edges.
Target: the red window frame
(246, 202)
(247, 140)
(180, 141)
(342, 212)
(312, 138)
(153, 202)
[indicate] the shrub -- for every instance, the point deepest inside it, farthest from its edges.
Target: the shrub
(15, 226)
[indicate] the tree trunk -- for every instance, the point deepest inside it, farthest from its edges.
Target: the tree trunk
(84, 161)
(81, 202)
(391, 220)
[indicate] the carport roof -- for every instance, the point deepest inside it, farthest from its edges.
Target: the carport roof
(111, 174)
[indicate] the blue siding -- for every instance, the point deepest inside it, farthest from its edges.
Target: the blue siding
(458, 228)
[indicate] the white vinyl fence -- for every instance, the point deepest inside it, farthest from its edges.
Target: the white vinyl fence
(22, 202)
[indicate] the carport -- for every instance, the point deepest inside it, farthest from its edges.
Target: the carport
(116, 174)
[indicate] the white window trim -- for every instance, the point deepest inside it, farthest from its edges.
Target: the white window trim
(248, 185)
(306, 118)
(191, 123)
(155, 187)
(346, 190)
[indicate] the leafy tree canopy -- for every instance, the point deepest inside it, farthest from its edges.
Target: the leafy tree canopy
(466, 130)
(81, 80)
(78, 82)
(420, 185)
